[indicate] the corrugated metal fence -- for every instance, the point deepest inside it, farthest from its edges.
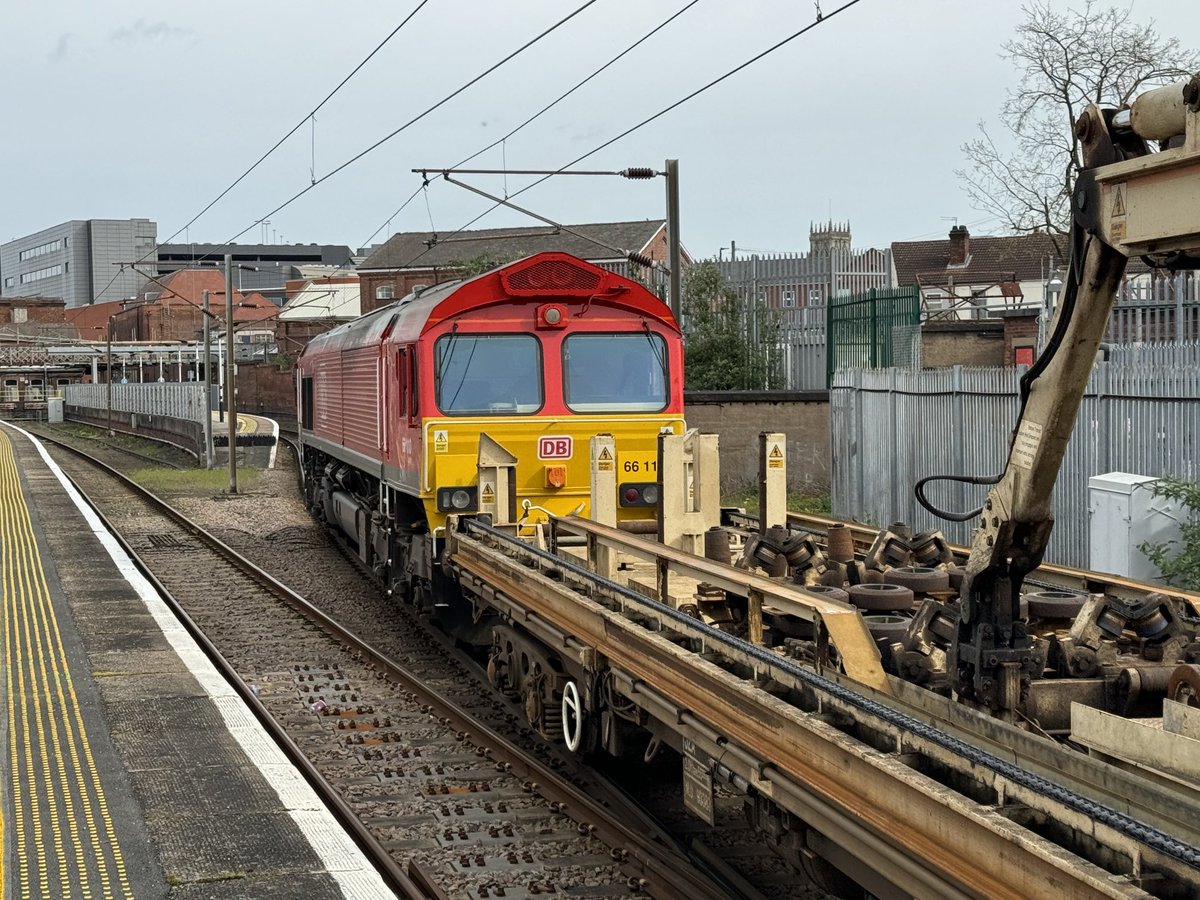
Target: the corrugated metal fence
(890, 428)
(179, 401)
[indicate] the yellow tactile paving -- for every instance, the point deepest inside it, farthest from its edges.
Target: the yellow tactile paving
(64, 843)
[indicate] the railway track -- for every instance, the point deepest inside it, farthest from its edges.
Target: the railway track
(416, 778)
(941, 752)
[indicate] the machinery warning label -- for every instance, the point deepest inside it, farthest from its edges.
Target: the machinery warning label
(441, 441)
(1025, 447)
(775, 457)
(604, 461)
(1116, 229)
(487, 494)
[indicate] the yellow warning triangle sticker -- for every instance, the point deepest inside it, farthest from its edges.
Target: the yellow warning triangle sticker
(488, 493)
(775, 453)
(605, 455)
(1119, 201)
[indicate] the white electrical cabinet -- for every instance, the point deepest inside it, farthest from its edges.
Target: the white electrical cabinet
(1124, 514)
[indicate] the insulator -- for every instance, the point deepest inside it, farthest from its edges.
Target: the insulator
(638, 172)
(641, 259)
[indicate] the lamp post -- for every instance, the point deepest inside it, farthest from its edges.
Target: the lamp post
(108, 370)
(208, 443)
(230, 399)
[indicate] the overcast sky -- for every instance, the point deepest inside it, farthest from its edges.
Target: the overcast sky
(139, 109)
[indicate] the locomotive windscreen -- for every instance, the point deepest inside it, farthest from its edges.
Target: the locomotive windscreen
(488, 374)
(615, 372)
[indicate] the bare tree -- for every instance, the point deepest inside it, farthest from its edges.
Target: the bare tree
(1066, 61)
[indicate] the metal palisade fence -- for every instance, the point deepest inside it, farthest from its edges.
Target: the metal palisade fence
(863, 330)
(177, 400)
(797, 289)
(1164, 308)
(890, 428)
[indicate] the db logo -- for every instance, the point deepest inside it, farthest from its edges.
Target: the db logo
(554, 447)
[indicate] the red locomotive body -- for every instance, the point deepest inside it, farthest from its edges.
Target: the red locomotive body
(538, 356)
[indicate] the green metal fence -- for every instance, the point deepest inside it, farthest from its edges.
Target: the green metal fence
(862, 329)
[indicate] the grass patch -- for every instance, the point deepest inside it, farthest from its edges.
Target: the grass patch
(119, 439)
(797, 502)
(193, 481)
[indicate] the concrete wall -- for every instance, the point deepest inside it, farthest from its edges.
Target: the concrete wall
(738, 417)
(180, 432)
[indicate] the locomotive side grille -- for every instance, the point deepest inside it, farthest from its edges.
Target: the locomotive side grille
(551, 277)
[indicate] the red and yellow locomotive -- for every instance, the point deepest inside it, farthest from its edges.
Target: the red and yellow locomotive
(535, 357)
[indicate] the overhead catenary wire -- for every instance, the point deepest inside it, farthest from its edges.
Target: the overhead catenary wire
(417, 118)
(501, 141)
(820, 20)
(300, 124)
(309, 116)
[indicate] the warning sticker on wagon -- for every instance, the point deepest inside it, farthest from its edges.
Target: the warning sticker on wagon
(1025, 447)
(441, 441)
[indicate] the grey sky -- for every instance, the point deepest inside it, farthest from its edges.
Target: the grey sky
(133, 108)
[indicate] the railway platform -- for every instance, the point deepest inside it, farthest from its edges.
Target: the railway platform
(130, 768)
(257, 440)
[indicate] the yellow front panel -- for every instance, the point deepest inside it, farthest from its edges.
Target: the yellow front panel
(451, 456)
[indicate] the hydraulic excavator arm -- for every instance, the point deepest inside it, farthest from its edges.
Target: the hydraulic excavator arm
(1128, 201)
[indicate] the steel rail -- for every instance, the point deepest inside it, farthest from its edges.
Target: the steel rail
(664, 873)
(395, 877)
(1152, 837)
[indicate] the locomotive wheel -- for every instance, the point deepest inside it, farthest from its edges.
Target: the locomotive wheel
(827, 591)
(1054, 604)
(881, 597)
(918, 579)
(885, 627)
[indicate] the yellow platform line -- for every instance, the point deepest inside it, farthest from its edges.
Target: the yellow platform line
(39, 682)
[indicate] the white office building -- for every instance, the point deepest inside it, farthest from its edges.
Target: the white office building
(80, 261)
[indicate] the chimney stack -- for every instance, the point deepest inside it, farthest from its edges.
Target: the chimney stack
(960, 245)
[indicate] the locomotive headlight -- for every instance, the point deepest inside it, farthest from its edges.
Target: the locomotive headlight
(638, 493)
(457, 499)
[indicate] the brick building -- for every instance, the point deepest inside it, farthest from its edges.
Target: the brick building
(414, 259)
(168, 309)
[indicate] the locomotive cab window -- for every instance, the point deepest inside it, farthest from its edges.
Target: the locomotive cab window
(488, 374)
(615, 372)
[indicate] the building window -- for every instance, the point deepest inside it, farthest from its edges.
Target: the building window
(10, 281)
(38, 275)
(384, 292)
(42, 249)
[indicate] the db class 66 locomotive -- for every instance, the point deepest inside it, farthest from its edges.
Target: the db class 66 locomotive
(529, 360)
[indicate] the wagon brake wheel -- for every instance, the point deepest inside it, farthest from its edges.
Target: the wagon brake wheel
(572, 716)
